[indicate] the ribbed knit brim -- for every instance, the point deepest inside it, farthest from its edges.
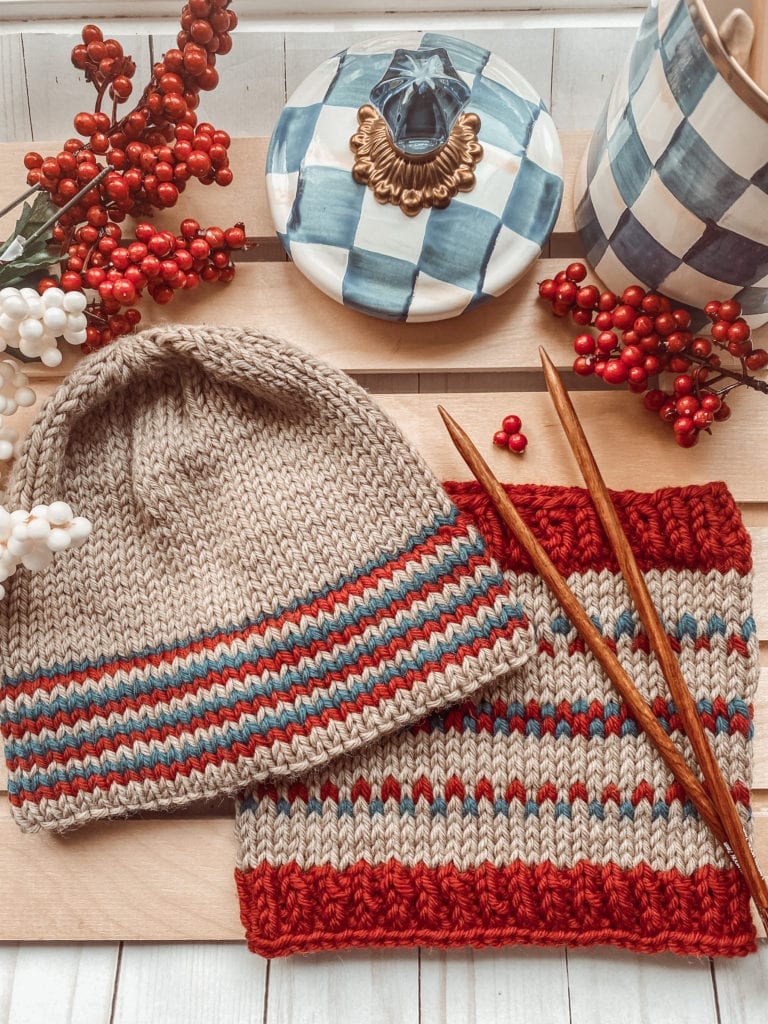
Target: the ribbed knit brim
(274, 578)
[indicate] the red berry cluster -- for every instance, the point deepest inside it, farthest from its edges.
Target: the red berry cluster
(107, 67)
(639, 335)
(509, 436)
(159, 261)
(149, 156)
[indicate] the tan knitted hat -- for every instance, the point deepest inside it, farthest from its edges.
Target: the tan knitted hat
(274, 577)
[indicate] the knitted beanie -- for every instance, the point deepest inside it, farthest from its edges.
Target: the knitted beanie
(274, 578)
(536, 811)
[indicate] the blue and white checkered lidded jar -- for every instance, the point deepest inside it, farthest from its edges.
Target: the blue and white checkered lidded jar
(415, 177)
(673, 191)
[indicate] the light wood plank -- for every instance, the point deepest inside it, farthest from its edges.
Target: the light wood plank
(363, 986)
(524, 984)
(57, 91)
(251, 92)
(164, 879)
(58, 984)
(245, 199)
(168, 879)
(742, 988)
(14, 109)
(620, 986)
(760, 745)
(586, 64)
(501, 336)
(197, 983)
(760, 584)
(279, 300)
(642, 456)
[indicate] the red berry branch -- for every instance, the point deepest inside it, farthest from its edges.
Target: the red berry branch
(134, 163)
(639, 335)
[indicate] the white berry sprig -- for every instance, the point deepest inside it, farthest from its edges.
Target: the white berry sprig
(32, 538)
(14, 388)
(32, 323)
(14, 393)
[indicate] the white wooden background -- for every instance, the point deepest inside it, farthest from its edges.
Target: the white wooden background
(571, 55)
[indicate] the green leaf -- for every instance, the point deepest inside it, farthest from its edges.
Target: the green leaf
(15, 271)
(33, 216)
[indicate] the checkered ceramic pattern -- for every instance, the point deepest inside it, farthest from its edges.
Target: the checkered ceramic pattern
(677, 175)
(441, 262)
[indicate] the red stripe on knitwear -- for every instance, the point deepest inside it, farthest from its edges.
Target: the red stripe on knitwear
(289, 910)
(222, 754)
(696, 527)
(325, 604)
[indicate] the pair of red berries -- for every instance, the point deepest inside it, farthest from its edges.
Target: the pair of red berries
(509, 436)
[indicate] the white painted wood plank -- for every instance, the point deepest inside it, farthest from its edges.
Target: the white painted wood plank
(14, 108)
(58, 91)
(742, 988)
(586, 64)
(12, 9)
(356, 987)
(57, 984)
(528, 50)
(612, 985)
(459, 987)
(197, 983)
(251, 90)
(304, 51)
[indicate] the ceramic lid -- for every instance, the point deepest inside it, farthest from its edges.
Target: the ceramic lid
(414, 177)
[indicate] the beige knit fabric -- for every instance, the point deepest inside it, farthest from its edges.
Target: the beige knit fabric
(274, 577)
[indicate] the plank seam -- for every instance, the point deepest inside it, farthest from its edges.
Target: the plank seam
(568, 984)
(26, 84)
(266, 993)
(713, 976)
(116, 983)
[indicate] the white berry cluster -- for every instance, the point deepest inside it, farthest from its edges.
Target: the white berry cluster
(14, 392)
(31, 322)
(14, 388)
(32, 538)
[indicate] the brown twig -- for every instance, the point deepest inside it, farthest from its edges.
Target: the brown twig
(756, 383)
(19, 199)
(728, 815)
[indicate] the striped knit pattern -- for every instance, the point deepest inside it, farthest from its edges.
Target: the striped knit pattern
(536, 810)
(274, 579)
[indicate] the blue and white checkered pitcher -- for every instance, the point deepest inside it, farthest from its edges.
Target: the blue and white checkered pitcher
(673, 190)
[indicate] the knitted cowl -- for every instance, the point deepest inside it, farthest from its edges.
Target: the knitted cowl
(536, 811)
(274, 578)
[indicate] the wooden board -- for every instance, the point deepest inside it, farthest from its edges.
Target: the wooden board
(168, 878)
(245, 199)
(123, 881)
(643, 456)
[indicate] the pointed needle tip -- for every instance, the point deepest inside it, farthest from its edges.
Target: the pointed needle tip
(447, 419)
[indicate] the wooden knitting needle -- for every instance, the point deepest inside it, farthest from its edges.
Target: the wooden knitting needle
(737, 842)
(581, 620)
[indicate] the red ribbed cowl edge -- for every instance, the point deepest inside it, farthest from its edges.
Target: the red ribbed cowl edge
(288, 909)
